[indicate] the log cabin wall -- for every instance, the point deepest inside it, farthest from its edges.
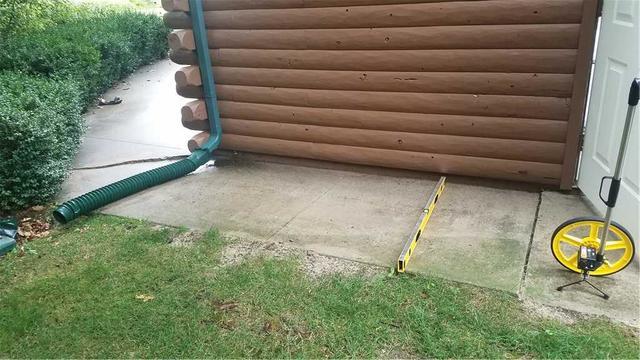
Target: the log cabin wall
(487, 88)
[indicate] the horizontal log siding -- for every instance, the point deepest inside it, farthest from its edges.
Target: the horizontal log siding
(398, 15)
(556, 61)
(558, 85)
(545, 36)
(477, 87)
(194, 117)
(442, 163)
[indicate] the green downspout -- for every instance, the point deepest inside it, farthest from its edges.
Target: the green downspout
(129, 186)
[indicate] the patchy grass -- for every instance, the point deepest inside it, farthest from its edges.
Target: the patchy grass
(108, 287)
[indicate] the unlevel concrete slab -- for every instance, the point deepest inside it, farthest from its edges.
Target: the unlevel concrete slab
(479, 235)
(544, 274)
(362, 217)
(348, 214)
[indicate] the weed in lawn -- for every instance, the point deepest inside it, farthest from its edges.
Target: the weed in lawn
(112, 287)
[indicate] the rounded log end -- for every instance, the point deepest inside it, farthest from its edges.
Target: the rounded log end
(197, 141)
(187, 115)
(177, 20)
(192, 145)
(181, 40)
(175, 5)
(194, 116)
(181, 78)
(183, 57)
(193, 124)
(188, 76)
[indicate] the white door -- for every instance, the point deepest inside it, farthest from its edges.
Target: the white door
(617, 63)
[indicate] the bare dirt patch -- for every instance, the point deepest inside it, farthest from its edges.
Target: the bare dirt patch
(314, 265)
(396, 353)
(186, 239)
(566, 316)
(551, 312)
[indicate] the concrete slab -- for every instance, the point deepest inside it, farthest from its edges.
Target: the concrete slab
(100, 152)
(82, 181)
(478, 234)
(347, 214)
(361, 217)
(544, 274)
(145, 125)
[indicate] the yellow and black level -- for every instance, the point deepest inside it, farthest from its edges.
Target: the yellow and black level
(412, 241)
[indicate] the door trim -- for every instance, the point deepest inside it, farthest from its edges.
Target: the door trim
(578, 105)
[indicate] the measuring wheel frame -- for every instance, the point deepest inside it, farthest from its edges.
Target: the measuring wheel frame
(589, 251)
(624, 241)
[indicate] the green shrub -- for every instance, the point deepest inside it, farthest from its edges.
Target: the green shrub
(27, 15)
(40, 129)
(55, 54)
(53, 65)
(95, 47)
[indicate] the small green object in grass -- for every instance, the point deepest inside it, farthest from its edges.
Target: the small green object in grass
(8, 232)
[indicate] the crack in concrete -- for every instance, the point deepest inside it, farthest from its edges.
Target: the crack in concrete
(131, 162)
(132, 142)
(529, 246)
(300, 212)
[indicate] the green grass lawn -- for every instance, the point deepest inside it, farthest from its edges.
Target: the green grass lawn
(108, 287)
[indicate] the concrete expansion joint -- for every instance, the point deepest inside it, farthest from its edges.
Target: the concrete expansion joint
(132, 162)
(530, 245)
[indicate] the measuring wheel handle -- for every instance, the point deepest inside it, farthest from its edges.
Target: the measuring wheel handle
(614, 190)
(634, 93)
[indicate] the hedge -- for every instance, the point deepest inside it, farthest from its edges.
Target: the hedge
(48, 77)
(95, 48)
(40, 128)
(26, 15)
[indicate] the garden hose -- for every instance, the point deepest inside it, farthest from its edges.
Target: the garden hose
(129, 186)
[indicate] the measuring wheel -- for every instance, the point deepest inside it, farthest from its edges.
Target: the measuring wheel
(595, 246)
(587, 232)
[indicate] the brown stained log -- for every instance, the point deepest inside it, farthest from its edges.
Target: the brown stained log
(184, 57)
(550, 108)
(544, 36)
(560, 61)
(558, 85)
(441, 163)
(181, 40)
(196, 111)
(189, 76)
(194, 117)
(210, 5)
(198, 140)
(495, 12)
(536, 151)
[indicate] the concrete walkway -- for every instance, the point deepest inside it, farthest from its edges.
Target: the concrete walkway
(489, 233)
(145, 125)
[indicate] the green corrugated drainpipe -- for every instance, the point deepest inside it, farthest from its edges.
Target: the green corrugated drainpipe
(123, 188)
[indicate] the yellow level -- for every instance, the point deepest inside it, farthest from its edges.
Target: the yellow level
(412, 241)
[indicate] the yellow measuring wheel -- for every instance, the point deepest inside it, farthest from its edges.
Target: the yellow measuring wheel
(587, 232)
(595, 246)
